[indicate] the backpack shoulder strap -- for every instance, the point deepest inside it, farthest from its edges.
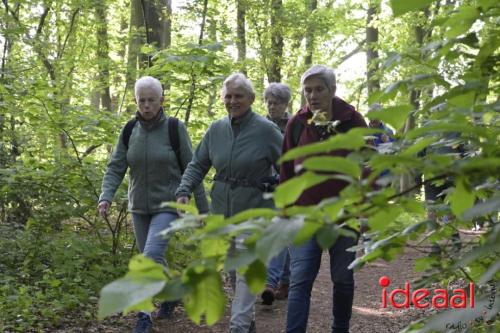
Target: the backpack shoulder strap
(173, 134)
(127, 131)
(297, 128)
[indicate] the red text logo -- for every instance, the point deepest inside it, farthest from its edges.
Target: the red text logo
(440, 298)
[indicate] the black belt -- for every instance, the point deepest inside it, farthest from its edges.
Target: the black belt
(267, 184)
(235, 182)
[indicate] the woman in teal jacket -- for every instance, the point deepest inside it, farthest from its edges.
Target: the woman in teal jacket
(243, 148)
(155, 174)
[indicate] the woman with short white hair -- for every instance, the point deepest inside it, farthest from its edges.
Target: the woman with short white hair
(242, 147)
(156, 148)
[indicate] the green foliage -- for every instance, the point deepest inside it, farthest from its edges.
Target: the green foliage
(400, 7)
(45, 276)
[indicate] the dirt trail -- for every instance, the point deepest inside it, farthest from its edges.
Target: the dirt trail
(368, 316)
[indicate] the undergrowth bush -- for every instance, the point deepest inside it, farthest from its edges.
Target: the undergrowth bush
(48, 277)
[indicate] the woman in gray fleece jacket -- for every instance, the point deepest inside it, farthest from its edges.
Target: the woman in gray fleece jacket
(243, 148)
(155, 174)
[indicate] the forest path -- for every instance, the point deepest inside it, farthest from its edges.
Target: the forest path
(368, 316)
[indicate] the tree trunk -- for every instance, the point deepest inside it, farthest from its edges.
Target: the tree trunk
(274, 74)
(241, 35)
(157, 25)
(407, 180)
(373, 83)
(192, 89)
(212, 95)
(103, 59)
(136, 39)
(312, 5)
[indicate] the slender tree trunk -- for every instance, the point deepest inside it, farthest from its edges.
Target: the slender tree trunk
(136, 39)
(166, 24)
(192, 89)
(103, 59)
(312, 6)
(156, 23)
(373, 83)
(421, 33)
(212, 95)
(241, 34)
(274, 74)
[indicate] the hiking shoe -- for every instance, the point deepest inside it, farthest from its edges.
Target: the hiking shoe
(252, 327)
(144, 324)
(268, 296)
(166, 310)
(281, 292)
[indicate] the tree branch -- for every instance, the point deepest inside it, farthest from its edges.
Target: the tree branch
(71, 25)
(358, 49)
(90, 149)
(7, 8)
(41, 22)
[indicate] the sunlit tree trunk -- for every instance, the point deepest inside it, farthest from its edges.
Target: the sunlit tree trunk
(312, 6)
(274, 73)
(241, 34)
(212, 95)
(192, 89)
(103, 59)
(136, 39)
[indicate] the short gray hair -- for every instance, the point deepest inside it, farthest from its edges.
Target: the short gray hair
(280, 91)
(241, 80)
(148, 81)
(326, 74)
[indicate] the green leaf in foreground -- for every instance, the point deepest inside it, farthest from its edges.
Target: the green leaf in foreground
(461, 198)
(277, 236)
(206, 297)
(393, 115)
(333, 164)
(144, 280)
(288, 192)
(187, 208)
(352, 140)
(255, 276)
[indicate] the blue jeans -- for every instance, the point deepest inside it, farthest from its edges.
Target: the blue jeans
(305, 264)
(147, 228)
(243, 305)
(278, 270)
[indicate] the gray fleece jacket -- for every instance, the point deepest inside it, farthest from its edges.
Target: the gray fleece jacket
(241, 150)
(154, 170)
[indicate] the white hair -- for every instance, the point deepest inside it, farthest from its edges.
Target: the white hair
(326, 74)
(280, 91)
(149, 82)
(240, 80)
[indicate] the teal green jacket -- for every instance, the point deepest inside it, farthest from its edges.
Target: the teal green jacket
(245, 150)
(154, 170)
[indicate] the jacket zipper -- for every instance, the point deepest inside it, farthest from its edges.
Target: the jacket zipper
(229, 208)
(146, 169)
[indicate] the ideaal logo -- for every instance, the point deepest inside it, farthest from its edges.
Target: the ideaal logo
(440, 297)
(488, 307)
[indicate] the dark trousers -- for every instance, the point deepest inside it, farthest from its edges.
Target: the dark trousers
(305, 264)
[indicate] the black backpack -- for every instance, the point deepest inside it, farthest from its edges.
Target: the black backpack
(297, 128)
(173, 134)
